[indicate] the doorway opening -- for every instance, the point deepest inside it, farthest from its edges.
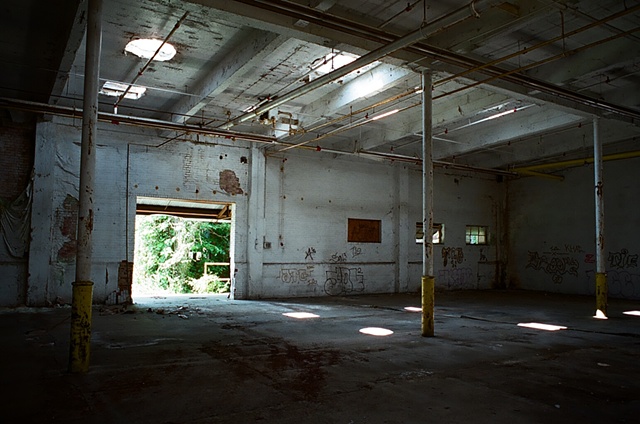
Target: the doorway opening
(182, 248)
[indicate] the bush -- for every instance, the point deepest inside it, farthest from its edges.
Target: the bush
(165, 250)
(209, 284)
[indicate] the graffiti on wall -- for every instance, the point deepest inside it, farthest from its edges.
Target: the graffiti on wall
(343, 280)
(483, 257)
(298, 276)
(338, 257)
(309, 253)
(556, 263)
(622, 260)
(620, 284)
(457, 278)
(452, 255)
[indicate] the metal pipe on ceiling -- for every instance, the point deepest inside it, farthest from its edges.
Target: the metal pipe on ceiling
(577, 162)
(146, 65)
(466, 87)
(548, 42)
(373, 34)
(232, 135)
(400, 43)
(132, 120)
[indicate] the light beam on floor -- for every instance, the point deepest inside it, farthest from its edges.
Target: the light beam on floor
(300, 315)
(376, 331)
(412, 309)
(539, 326)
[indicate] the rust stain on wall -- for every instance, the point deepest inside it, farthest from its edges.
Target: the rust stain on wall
(230, 183)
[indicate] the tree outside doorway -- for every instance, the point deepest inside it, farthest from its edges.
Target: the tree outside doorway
(179, 255)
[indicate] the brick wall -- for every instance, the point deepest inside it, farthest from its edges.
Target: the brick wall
(17, 147)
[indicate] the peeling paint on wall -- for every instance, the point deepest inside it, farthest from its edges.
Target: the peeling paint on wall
(230, 183)
(67, 222)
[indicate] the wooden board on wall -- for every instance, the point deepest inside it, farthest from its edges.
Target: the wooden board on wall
(364, 230)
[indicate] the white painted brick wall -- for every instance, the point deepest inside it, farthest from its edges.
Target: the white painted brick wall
(300, 206)
(552, 233)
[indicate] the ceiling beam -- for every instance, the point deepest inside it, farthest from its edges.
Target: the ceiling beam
(247, 49)
(556, 144)
(448, 111)
(380, 78)
(509, 17)
(526, 123)
(597, 60)
(326, 32)
(74, 41)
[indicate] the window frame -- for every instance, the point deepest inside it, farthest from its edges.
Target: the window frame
(438, 228)
(479, 232)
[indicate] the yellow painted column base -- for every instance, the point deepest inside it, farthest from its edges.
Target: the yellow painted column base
(80, 344)
(601, 295)
(428, 294)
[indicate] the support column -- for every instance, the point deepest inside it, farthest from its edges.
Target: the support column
(601, 276)
(82, 297)
(428, 280)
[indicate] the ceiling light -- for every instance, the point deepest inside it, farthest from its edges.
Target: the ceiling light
(147, 47)
(115, 89)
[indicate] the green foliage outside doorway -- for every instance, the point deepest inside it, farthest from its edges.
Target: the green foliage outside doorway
(171, 252)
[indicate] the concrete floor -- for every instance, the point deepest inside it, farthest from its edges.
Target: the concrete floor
(214, 360)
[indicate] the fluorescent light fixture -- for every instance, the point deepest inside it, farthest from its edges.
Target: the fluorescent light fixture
(146, 47)
(412, 309)
(384, 115)
(633, 313)
(115, 89)
(545, 327)
(300, 315)
(376, 331)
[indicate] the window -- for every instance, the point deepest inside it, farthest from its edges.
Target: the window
(477, 234)
(437, 235)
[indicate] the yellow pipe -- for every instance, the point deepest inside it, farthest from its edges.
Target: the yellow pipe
(540, 174)
(601, 295)
(428, 292)
(82, 297)
(577, 162)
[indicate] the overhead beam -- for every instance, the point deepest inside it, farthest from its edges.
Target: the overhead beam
(382, 77)
(244, 51)
(448, 110)
(508, 17)
(329, 30)
(598, 59)
(527, 123)
(575, 138)
(74, 41)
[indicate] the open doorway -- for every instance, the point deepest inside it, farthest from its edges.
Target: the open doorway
(182, 247)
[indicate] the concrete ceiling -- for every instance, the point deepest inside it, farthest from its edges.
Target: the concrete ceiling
(514, 82)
